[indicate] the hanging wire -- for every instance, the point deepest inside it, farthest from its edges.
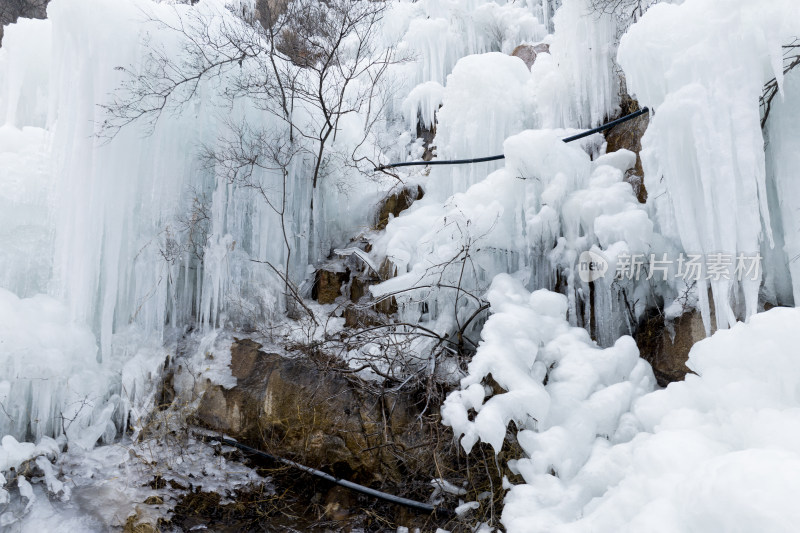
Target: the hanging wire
(502, 156)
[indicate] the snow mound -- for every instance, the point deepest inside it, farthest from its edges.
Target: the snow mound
(563, 392)
(717, 452)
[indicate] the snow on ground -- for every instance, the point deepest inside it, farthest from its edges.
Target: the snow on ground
(717, 452)
(68, 484)
(97, 490)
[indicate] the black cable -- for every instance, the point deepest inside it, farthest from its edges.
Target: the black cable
(502, 156)
(608, 125)
(448, 162)
(342, 482)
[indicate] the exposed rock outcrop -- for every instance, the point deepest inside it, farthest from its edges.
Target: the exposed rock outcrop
(396, 203)
(666, 347)
(11, 10)
(628, 135)
(267, 11)
(427, 134)
(528, 52)
(344, 277)
(328, 283)
(318, 417)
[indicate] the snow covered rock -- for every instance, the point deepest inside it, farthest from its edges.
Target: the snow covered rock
(396, 203)
(528, 52)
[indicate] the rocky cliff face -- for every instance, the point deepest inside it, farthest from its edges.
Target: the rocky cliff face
(11, 10)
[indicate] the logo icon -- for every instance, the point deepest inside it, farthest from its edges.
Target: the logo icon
(591, 266)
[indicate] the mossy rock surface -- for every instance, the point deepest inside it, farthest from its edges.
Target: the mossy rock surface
(318, 417)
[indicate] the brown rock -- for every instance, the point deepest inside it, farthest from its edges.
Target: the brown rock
(134, 524)
(529, 52)
(356, 317)
(387, 270)
(363, 316)
(267, 11)
(328, 284)
(359, 287)
(628, 135)
(292, 408)
(668, 353)
(526, 53)
(396, 203)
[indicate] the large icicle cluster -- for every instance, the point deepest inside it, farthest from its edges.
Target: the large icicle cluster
(439, 33)
(783, 192)
(701, 65)
(576, 85)
(51, 382)
(105, 227)
(487, 98)
(535, 216)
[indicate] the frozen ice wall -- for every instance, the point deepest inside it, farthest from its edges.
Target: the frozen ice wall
(133, 235)
(701, 66)
(484, 102)
(552, 203)
(438, 33)
(488, 96)
(533, 217)
(783, 160)
(121, 206)
(576, 85)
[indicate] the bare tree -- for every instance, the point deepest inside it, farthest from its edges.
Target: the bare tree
(626, 12)
(310, 56)
(791, 59)
(306, 64)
